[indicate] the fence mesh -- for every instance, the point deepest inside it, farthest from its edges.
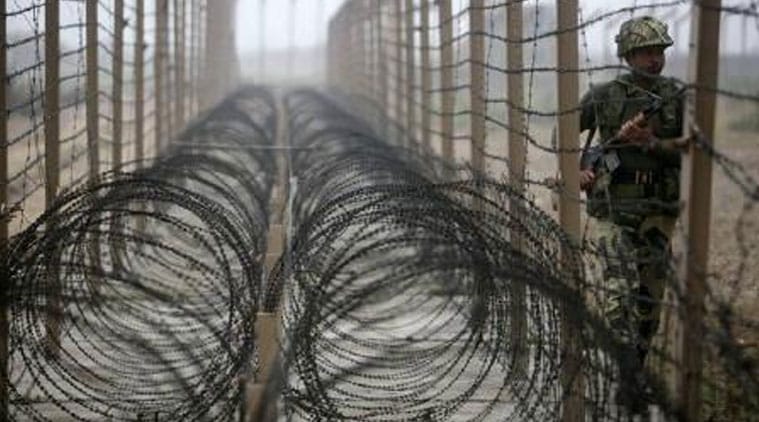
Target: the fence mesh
(432, 269)
(414, 68)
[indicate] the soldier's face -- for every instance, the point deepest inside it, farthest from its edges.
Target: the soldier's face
(648, 60)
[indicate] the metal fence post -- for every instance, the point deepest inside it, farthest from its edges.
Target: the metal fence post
(358, 23)
(202, 50)
(5, 218)
(399, 84)
(158, 68)
(93, 129)
(448, 99)
(52, 100)
(262, 41)
(194, 47)
(118, 88)
(696, 187)
(52, 142)
(569, 208)
(517, 157)
(209, 57)
(139, 80)
(410, 78)
(426, 76)
(477, 78)
(382, 70)
(179, 64)
(374, 49)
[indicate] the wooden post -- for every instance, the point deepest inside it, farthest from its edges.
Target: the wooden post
(52, 100)
(219, 70)
(350, 57)
(517, 157)
(410, 82)
(515, 82)
(744, 36)
(355, 59)
(189, 36)
(118, 71)
(359, 25)
(268, 340)
(426, 76)
(262, 41)
(4, 221)
(569, 206)
(139, 84)
(194, 54)
(209, 76)
(477, 77)
(448, 96)
(139, 94)
(203, 50)
(368, 26)
(267, 325)
(382, 70)
(335, 44)
(335, 64)
(161, 14)
(330, 66)
(93, 129)
(169, 74)
(52, 144)
(399, 85)
(345, 52)
(696, 189)
(374, 84)
(179, 64)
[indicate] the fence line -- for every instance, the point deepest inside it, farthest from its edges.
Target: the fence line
(461, 76)
(4, 216)
(87, 90)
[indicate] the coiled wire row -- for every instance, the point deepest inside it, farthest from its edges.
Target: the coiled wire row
(133, 297)
(410, 298)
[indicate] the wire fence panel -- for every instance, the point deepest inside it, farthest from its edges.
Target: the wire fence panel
(499, 210)
(27, 106)
(78, 102)
(431, 53)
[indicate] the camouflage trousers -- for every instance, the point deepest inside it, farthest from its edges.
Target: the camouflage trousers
(635, 272)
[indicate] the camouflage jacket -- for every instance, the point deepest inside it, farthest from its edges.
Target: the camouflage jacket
(646, 182)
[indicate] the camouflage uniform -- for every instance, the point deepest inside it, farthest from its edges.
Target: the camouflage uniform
(636, 204)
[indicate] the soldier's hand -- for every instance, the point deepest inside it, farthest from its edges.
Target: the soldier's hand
(587, 177)
(636, 131)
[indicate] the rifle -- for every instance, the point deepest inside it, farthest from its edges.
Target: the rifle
(593, 156)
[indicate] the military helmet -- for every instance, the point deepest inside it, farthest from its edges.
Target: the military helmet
(640, 32)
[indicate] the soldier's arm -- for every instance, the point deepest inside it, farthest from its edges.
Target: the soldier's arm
(588, 122)
(587, 110)
(672, 147)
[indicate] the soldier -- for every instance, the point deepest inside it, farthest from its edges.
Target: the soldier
(633, 186)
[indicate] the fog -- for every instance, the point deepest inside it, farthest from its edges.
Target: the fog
(302, 25)
(310, 25)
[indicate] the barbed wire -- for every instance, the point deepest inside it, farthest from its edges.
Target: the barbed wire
(25, 78)
(412, 287)
(133, 294)
(729, 152)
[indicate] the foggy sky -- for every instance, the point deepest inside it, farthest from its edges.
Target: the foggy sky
(310, 27)
(308, 34)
